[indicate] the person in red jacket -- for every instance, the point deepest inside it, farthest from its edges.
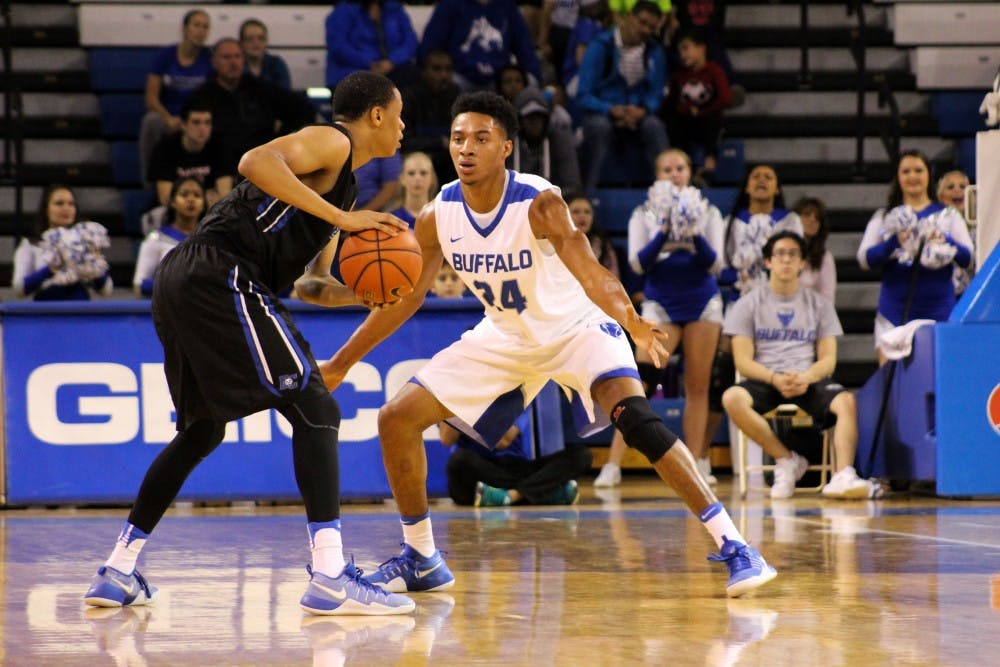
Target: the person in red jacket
(699, 93)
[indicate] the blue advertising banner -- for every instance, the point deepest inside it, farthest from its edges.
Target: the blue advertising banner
(87, 407)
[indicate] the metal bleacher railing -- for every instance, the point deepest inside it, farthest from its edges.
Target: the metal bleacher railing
(13, 121)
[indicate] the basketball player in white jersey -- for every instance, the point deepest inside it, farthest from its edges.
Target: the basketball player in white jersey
(552, 313)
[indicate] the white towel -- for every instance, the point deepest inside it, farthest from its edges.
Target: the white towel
(897, 343)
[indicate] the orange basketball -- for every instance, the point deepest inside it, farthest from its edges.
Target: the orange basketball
(380, 268)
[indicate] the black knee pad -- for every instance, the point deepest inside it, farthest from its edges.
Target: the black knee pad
(642, 428)
(318, 412)
(650, 376)
(201, 437)
(723, 377)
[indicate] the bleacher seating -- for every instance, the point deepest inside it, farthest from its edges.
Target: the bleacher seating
(925, 23)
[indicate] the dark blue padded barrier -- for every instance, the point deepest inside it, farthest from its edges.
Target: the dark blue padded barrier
(134, 204)
(730, 164)
(125, 163)
(121, 114)
(119, 69)
(957, 113)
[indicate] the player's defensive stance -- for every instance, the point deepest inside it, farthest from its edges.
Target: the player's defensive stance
(552, 313)
(231, 348)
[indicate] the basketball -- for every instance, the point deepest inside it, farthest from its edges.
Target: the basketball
(380, 268)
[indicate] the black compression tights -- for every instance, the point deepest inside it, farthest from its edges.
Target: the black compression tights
(315, 425)
(315, 428)
(166, 475)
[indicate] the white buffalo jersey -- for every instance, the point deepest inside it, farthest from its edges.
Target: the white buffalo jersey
(525, 288)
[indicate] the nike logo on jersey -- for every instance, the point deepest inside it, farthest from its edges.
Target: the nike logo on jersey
(455, 239)
(340, 596)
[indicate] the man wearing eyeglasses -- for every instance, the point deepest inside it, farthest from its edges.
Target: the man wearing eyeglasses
(785, 348)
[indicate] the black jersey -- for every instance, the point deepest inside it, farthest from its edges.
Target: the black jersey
(274, 240)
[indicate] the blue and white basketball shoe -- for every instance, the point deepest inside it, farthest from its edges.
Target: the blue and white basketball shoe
(412, 572)
(747, 568)
(111, 588)
(350, 595)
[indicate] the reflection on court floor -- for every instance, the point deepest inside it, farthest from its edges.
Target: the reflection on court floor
(619, 580)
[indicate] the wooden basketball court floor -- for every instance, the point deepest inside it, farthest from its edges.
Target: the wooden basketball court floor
(620, 579)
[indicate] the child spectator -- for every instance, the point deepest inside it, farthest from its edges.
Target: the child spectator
(62, 259)
(820, 270)
(261, 64)
(699, 93)
(419, 185)
(185, 206)
(448, 284)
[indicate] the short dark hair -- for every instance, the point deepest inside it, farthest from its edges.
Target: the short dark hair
(489, 104)
(693, 35)
(647, 6)
(194, 104)
(252, 22)
(359, 92)
(784, 234)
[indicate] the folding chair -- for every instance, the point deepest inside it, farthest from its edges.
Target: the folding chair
(795, 417)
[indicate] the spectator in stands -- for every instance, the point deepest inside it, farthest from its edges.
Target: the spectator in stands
(427, 112)
(482, 36)
(177, 71)
(510, 475)
(620, 90)
(675, 244)
(259, 62)
(709, 17)
(418, 183)
(542, 147)
(448, 284)
(699, 93)
(622, 8)
(512, 80)
(951, 192)
(378, 183)
(785, 347)
(820, 269)
(916, 242)
(62, 258)
(371, 35)
(186, 204)
(593, 19)
(581, 210)
(556, 25)
(192, 153)
(246, 110)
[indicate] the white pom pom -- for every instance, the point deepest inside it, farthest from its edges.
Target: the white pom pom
(937, 254)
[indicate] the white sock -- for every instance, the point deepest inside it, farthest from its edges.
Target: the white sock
(127, 548)
(717, 522)
(418, 534)
(327, 547)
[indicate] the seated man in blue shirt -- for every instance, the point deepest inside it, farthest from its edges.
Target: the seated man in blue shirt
(514, 472)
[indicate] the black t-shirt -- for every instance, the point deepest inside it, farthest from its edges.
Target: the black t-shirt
(170, 162)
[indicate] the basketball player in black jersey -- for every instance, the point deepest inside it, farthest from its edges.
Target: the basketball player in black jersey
(231, 348)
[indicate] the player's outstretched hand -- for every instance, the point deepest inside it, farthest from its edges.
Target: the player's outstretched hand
(358, 220)
(648, 335)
